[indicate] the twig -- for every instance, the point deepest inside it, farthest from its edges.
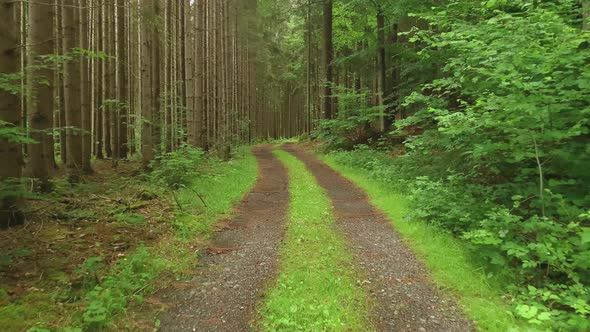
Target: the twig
(541, 183)
(198, 195)
(177, 202)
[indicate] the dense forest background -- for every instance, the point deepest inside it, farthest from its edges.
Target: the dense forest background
(476, 110)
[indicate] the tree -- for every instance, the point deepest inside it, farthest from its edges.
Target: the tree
(328, 59)
(72, 88)
(148, 21)
(41, 90)
(381, 65)
(10, 152)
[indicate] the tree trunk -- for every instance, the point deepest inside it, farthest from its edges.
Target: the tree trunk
(122, 60)
(41, 81)
(381, 66)
(72, 90)
(147, 89)
(85, 106)
(328, 59)
(10, 152)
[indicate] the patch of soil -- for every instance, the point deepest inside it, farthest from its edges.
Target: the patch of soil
(241, 260)
(405, 297)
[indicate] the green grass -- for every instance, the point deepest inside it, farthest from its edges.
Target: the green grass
(451, 265)
(316, 289)
(220, 190)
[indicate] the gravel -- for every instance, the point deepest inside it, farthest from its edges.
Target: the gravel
(404, 297)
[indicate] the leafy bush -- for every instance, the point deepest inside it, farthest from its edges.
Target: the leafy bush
(549, 257)
(352, 124)
(130, 280)
(177, 169)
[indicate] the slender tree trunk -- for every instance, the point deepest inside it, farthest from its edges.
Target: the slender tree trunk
(85, 109)
(122, 61)
(147, 89)
(41, 82)
(328, 59)
(72, 90)
(381, 66)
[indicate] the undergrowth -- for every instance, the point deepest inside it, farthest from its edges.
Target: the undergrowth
(129, 240)
(315, 290)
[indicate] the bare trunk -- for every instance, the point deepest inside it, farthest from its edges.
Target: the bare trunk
(10, 152)
(328, 59)
(72, 90)
(41, 82)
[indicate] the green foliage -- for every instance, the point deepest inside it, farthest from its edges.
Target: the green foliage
(178, 168)
(496, 143)
(14, 134)
(11, 83)
(352, 124)
(130, 280)
(131, 218)
(548, 255)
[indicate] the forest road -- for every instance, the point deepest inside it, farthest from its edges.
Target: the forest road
(404, 298)
(241, 262)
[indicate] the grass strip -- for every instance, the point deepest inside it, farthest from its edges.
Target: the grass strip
(316, 289)
(451, 265)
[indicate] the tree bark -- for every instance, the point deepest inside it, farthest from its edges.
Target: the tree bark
(85, 105)
(122, 61)
(381, 66)
(41, 82)
(72, 90)
(10, 152)
(328, 59)
(147, 90)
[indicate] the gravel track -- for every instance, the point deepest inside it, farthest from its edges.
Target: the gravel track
(405, 299)
(240, 262)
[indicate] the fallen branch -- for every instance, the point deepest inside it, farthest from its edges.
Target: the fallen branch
(177, 202)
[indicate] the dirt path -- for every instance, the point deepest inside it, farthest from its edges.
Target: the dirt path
(241, 260)
(405, 298)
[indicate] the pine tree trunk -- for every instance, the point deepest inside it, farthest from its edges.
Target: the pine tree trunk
(41, 82)
(122, 61)
(10, 153)
(328, 59)
(147, 89)
(72, 90)
(85, 110)
(381, 66)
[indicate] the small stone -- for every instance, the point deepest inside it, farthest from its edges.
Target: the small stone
(422, 329)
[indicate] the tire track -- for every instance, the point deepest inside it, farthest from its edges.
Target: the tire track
(404, 297)
(242, 259)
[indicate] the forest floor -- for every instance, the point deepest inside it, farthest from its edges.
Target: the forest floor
(118, 253)
(227, 291)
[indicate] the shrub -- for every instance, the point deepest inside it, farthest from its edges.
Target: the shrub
(178, 168)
